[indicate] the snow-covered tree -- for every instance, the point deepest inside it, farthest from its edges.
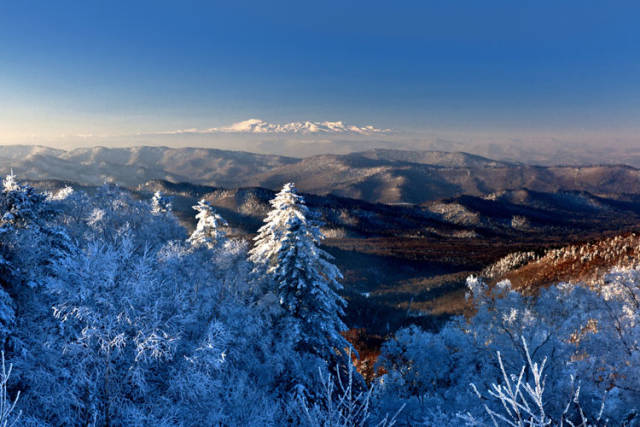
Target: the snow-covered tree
(305, 280)
(113, 210)
(118, 317)
(19, 204)
(29, 242)
(160, 204)
(523, 401)
(210, 230)
(430, 372)
(20, 207)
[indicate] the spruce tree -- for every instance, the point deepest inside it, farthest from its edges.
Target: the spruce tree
(305, 280)
(210, 228)
(160, 204)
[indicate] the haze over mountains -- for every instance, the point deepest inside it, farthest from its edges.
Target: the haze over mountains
(377, 176)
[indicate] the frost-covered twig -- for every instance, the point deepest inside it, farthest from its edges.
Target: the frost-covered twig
(341, 405)
(522, 402)
(7, 419)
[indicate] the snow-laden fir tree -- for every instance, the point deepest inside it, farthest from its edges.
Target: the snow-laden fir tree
(160, 204)
(19, 204)
(210, 230)
(305, 281)
(27, 243)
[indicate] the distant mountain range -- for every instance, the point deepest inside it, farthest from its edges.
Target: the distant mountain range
(377, 176)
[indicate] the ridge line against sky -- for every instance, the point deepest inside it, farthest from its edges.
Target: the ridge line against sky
(493, 72)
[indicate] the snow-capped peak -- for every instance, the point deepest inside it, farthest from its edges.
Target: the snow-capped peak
(259, 126)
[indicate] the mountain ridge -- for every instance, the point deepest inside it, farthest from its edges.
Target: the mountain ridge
(377, 176)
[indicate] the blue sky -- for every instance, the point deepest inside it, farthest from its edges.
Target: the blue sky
(473, 67)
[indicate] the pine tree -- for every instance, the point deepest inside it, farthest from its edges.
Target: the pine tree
(23, 245)
(19, 204)
(160, 204)
(210, 228)
(305, 281)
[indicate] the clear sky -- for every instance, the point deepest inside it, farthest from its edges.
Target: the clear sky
(74, 72)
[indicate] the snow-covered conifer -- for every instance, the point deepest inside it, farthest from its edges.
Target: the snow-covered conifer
(210, 228)
(27, 237)
(306, 282)
(160, 203)
(18, 203)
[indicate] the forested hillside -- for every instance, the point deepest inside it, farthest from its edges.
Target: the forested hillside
(111, 313)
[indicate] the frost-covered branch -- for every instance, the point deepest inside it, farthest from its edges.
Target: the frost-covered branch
(7, 406)
(341, 404)
(522, 402)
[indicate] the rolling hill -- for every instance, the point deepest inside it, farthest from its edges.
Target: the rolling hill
(377, 176)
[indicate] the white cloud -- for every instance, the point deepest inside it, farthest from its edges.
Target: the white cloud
(257, 126)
